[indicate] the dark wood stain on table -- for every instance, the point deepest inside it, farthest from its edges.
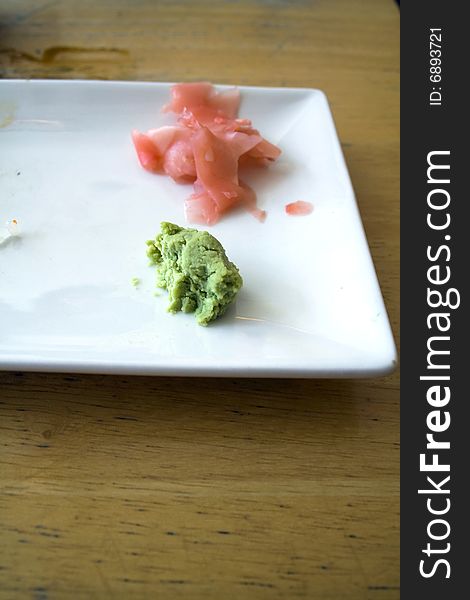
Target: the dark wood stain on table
(51, 54)
(128, 487)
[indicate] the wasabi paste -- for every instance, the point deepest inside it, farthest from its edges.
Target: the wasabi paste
(193, 267)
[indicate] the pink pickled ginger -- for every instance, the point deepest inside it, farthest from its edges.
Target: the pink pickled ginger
(207, 146)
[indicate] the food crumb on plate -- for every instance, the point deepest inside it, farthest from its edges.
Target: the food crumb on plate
(12, 227)
(10, 230)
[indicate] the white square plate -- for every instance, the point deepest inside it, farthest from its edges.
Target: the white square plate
(310, 306)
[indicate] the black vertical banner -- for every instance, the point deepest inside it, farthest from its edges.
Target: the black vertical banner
(435, 251)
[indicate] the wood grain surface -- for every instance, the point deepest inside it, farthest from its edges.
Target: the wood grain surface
(128, 487)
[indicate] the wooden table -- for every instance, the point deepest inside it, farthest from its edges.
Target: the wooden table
(128, 487)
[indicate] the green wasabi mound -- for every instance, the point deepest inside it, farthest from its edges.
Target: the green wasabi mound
(193, 267)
